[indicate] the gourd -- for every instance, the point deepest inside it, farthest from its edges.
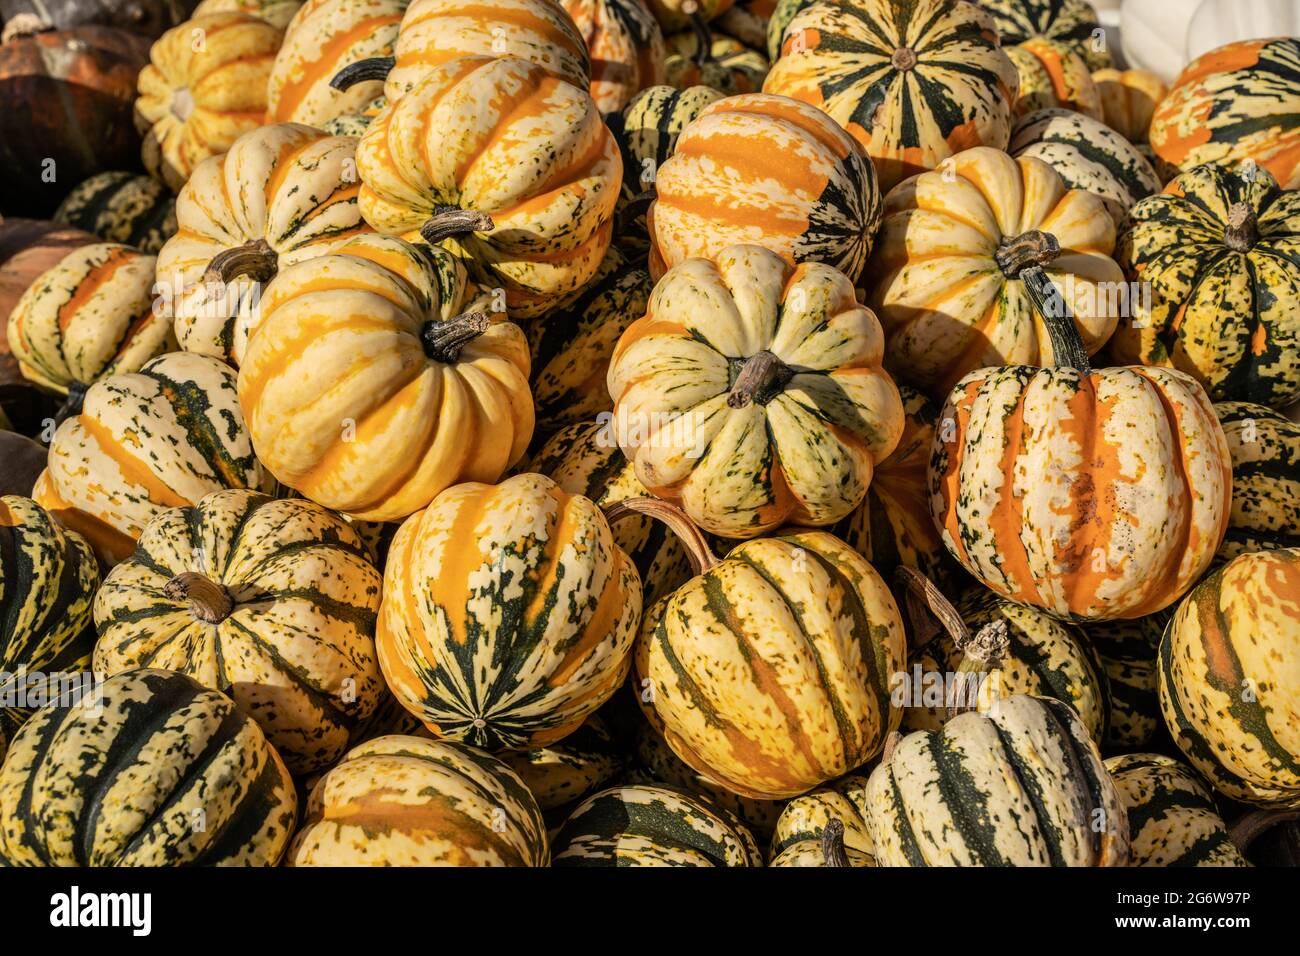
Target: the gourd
(724, 64)
(48, 578)
(122, 776)
(324, 37)
(89, 317)
(68, 96)
(828, 850)
(354, 124)
(1239, 102)
(159, 438)
(626, 47)
(122, 207)
(652, 826)
(21, 463)
(769, 671)
(509, 613)
(1128, 652)
(148, 18)
(747, 22)
(539, 194)
(752, 393)
(1173, 821)
(1094, 494)
(1216, 22)
(1155, 35)
(1228, 664)
(782, 14)
(1128, 103)
(1265, 449)
(948, 260)
(367, 389)
(1022, 785)
(584, 459)
(278, 13)
(194, 103)
(1217, 251)
(272, 601)
(679, 14)
(28, 248)
(1087, 155)
(1053, 76)
(565, 772)
(282, 194)
(809, 823)
(1073, 22)
(887, 72)
(406, 801)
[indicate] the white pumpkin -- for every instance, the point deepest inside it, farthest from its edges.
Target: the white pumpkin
(1154, 34)
(1219, 22)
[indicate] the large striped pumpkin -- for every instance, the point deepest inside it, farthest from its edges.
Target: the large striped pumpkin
(768, 171)
(89, 317)
(144, 442)
(626, 48)
(770, 671)
(652, 826)
(524, 151)
(132, 209)
(272, 601)
(406, 801)
(801, 830)
(149, 769)
(1095, 495)
(563, 773)
(1229, 669)
(367, 392)
(950, 296)
(1073, 22)
(204, 88)
(48, 578)
(1218, 254)
(752, 393)
(509, 613)
(1265, 448)
(1053, 76)
(282, 194)
(1239, 102)
(1128, 652)
(914, 81)
(1020, 786)
(324, 37)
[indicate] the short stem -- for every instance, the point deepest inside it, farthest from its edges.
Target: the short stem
(72, 405)
(374, 68)
(209, 601)
(1033, 248)
(761, 379)
(1243, 228)
(1255, 824)
(448, 221)
(698, 552)
(891, 744)
(988, 645)
(444, 340)
(904, 59)
(833, 844)
(256, 260)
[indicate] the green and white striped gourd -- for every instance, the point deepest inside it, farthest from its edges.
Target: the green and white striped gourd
(801, 829)
(1128, 651)
(1265, 448)
(562, 773)
(129, 208)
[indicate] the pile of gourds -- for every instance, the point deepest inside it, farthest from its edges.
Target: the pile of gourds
(648, 432)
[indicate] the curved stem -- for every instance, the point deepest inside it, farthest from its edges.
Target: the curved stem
(703, 37)
(448, 221)
(72, 405)
(209, 601)
(1250, 827)
(373, 68)
(697, 547)
(1243, 228)
(833, 844)
(930, 613)
(1025, 258)
(256, 260)
(761, 379)
(635, 207)
(1033, 248)
(444, 340)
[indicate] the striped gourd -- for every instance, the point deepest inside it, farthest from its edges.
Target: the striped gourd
(278, 13)
(1128, 103)
(48, 578)
(1239, 102)
(1073, 22)
(150, 768)
(1088, 155)
(1229, 668)
(1172, 818)
(1265, 448)
(282, 194)
(272, 601)
(407, 801)
(1093, 494)
(797, 840)
(827, 850)
(122, 207)
(366, 391)
(509, 613)
(768, 171)
(196, 99)
(89, 317)
(1128, 652)
(752, 393)
(652, 826)
(892, 527)
(782, 14)
(626, 47)
(679, 14)
(952, 300)
(584, 459)
(1219, 251)
(572, 348)
(913, 81)
(524, 154)
(567, 771)
(159, 438)
(1022, 785)
(324, 37)
(769, 672)
(1053, 76)
(354, 124)
(729, 66)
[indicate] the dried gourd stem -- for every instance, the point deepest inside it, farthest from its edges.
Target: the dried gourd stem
(1255, 824)
(444, 340)
(72, 405)
(209, 601)
(373, 68)
(761, 379)
(891, 744)
(698, 552)
(634, 208)
(1025, 258)
(255, 260)
(448, 221)
(930, 613)
(833, 844)
(1242, 231)
(904, 59)
(983, 650)
(703, 35)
